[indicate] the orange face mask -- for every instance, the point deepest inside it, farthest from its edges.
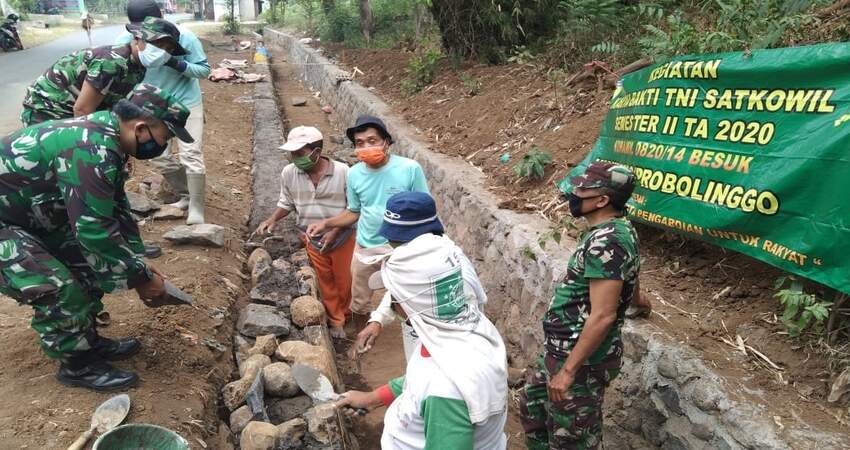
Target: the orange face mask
(371, 155)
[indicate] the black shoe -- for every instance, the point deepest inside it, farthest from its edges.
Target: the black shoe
(96, 374)
(112, 350)
(153, 251)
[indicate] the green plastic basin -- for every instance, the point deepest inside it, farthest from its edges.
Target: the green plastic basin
(140, 436)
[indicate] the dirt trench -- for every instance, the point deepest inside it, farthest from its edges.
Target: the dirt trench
(186, 355)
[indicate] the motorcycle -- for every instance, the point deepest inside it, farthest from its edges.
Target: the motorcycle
(9, 38)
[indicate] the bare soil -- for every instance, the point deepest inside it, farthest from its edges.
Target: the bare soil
(702, 294)
(180, 368)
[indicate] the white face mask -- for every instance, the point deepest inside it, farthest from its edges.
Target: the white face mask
(153, 56)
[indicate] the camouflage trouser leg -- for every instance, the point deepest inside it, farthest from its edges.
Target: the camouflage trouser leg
(66, 248)
(62, 306)
(575, 424)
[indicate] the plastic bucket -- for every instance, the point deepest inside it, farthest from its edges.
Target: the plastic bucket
(140, 436)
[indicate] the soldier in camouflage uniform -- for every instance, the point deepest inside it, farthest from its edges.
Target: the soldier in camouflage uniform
(561, 403)
(96, 78)
(66, 233)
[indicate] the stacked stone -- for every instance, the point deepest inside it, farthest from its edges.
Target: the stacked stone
(283, 324)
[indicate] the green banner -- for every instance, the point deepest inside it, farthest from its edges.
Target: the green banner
(748, 150)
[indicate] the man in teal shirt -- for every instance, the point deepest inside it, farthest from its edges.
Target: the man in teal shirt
(179, 75)
(371, 182)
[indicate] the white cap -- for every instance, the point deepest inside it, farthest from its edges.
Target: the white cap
(301, 136)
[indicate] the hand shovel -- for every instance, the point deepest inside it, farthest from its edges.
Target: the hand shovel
(107, 416)
(317, 386)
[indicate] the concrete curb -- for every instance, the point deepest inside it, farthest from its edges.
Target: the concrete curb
(670, 398)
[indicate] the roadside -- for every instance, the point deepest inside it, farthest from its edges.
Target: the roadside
(185, 357)
(32, 36)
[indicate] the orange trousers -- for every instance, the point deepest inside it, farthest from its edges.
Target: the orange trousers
(333, 269)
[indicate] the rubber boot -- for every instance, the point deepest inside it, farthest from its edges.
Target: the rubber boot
(197, 182)
(178, 182)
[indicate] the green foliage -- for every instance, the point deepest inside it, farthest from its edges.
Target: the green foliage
(421, 70)
(736, 25)
(528, 253)
(532, 166)
(521, 55)
(606, 47)
(802, 310)
(22, 7)
(231, 24)
(471, 85)
(342, 24)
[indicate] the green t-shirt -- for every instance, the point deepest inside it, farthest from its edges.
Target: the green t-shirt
(608, 251)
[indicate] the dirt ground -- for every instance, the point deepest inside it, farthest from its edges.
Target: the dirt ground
(702, 294)
(180, 368)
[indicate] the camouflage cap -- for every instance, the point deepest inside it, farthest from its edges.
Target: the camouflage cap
(601, 174)
(164, 106)
(154, 28)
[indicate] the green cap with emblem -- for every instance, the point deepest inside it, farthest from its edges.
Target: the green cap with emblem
(154, 28)
(601, 174)
(164, 106)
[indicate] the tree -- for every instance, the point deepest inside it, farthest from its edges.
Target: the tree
(367, 25)
(328, 7)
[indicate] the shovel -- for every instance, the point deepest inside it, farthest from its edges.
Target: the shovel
(107, 416)
(317, 386)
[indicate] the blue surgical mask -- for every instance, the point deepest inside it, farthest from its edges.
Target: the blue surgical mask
(149, 149)
(153, 56)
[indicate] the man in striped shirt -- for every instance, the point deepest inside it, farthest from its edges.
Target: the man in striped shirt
(314, 187)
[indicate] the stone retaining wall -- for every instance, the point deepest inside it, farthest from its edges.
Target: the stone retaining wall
(670, 399)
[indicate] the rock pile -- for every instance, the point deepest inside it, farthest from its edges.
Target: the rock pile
(283, 325)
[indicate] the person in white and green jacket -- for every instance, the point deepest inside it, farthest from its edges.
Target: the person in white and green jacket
(454, 392)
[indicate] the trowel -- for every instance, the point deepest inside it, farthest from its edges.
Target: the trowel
(107, 416)
(317, 386)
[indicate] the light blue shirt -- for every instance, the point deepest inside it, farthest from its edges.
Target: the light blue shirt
(369, 189)
(185, 85)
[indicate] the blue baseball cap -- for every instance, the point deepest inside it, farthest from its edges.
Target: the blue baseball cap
(410, 215)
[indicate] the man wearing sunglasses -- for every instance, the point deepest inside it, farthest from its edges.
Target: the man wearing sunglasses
(561, 403)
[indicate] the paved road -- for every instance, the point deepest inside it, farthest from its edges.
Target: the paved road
(19, 69)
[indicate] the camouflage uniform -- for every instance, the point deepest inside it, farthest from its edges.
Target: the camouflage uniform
(606, 251)
(110, 70)
(66, 233)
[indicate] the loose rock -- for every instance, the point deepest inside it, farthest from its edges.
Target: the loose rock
(240, 418)
(259, 436)
(279, 381)
(287, 409)
(140, 203)
(306, 310)
(205, 234)
(260, 320)
(840, 387)
(291, 432)
(234, 392)
(303, 353)
(254, 361)
(169, 213)
(259, 254)
(264, 345)
(322, 423)
(299, 101)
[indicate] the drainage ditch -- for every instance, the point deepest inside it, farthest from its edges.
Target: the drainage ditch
(667, 397)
